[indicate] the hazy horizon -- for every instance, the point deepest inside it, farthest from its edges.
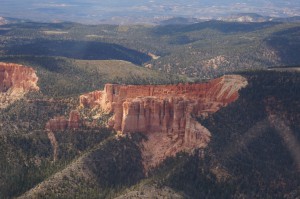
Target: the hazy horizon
(92, 11)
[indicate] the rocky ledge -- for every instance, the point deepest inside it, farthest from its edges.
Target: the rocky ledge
(15, 81)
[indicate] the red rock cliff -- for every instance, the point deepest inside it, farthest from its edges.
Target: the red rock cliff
(164, 108)
(166, 113)
(15, 81)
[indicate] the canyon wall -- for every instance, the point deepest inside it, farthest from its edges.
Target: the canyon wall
(165, 113)
(15, 81)
(164, 108)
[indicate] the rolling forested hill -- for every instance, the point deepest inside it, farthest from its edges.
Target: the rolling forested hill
(196, 50)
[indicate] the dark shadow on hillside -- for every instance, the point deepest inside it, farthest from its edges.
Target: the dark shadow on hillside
(17, 23)
(4, 31)
(257, 152)
(287, 44)
(79, 50)
(58, 77)
(225, 27)
(52, 64)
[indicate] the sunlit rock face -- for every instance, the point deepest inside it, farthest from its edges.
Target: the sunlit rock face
(165, 113)
(163, 108)
(15, 81)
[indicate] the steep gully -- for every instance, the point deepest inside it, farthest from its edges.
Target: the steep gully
(278, 118)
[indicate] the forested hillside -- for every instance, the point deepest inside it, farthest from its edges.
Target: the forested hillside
(250, 155)
(253, 143)
(198, 50)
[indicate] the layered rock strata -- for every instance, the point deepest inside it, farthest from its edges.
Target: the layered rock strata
(15, 81)
(166, 113)
(163, 108)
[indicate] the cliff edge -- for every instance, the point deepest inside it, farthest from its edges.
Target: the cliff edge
(15, 81)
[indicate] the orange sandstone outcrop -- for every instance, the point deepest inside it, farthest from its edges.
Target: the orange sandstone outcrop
(15, 81)
(74, 120)
(164, 108)
(61, 123)
(91, 100)
(166, 113)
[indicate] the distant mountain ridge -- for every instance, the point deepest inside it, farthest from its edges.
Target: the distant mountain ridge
(9, 20)
(239, 17)
(141, 11)
(253, 17)
(179, 20)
